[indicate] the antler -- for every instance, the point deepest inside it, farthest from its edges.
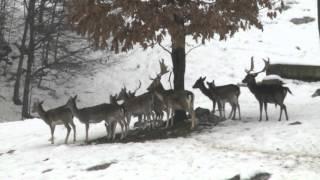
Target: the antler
(134, 92)
(251, 67)
(266, 65)
(163, 68)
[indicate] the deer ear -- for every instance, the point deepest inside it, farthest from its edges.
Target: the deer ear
(41, 102)
(75, 97)
(204, 78)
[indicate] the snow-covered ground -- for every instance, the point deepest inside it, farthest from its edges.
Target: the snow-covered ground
(290, 152)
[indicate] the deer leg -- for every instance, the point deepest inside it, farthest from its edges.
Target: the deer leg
(172, 117)
(108, 129)
(220, 109)
(113, 130)
(239, 110)
(168, 117)
(231, 112)
(223, 110)
(281, 108)
(234, 107)
(52, 128)
(213, 106)
(125, 125)
(68, 132)
(128, 119)
(74, 131)
(107, 125)
(285, 111)
(122, 130)
(266, 110)
(260, 105)
(87, 131)
(193, 120)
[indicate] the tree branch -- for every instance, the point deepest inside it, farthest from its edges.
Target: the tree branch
(193, 48)
(165, 48)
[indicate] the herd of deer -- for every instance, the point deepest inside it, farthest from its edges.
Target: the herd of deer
(150, 106)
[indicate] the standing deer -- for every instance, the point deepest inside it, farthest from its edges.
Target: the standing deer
(125, 96)
(57, 116)
(95, 114)
(172, 100)
(144, 112)
(199, 84)
(228, 93)
(266, 93)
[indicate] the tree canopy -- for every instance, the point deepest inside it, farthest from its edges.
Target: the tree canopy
(120, 24)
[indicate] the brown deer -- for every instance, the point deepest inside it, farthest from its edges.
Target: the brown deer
(266, 93)
(96, 114)
(172, 99)
(57, 116)
(157, 107)
(199, 84)
(222, 94)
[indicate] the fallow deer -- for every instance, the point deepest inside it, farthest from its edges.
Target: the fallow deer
(96, 114)
(57, 116)
(228, 93)
(172, 99)
(266, 93)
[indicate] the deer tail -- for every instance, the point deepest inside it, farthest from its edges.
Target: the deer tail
(288, 90)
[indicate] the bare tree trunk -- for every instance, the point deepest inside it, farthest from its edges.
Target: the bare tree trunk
(22, 47)
(178, 56)
(31, 47)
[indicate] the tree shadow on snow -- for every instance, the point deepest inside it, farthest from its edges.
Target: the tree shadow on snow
(181, 129)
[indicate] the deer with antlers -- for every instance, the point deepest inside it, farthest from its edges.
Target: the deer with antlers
(266, 93)
(172, 99)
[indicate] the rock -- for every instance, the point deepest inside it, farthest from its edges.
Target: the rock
(261, 176)
(303, 20)
(100, 167)
(11, 151)
(295, 123)
(47, 170)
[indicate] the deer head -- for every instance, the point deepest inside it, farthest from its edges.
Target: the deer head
(36, 106)
(199, 82)
(211, 84)
(72, 101)
(250, 77)
(113, 99)
(124, 94)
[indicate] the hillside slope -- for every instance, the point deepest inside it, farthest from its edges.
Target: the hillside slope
(289, 152)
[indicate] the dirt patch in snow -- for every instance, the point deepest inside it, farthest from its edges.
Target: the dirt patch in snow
(100, 167)
(295, 123)
(181, 129)
(258, 176)
(47, 170)
(303, 20)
